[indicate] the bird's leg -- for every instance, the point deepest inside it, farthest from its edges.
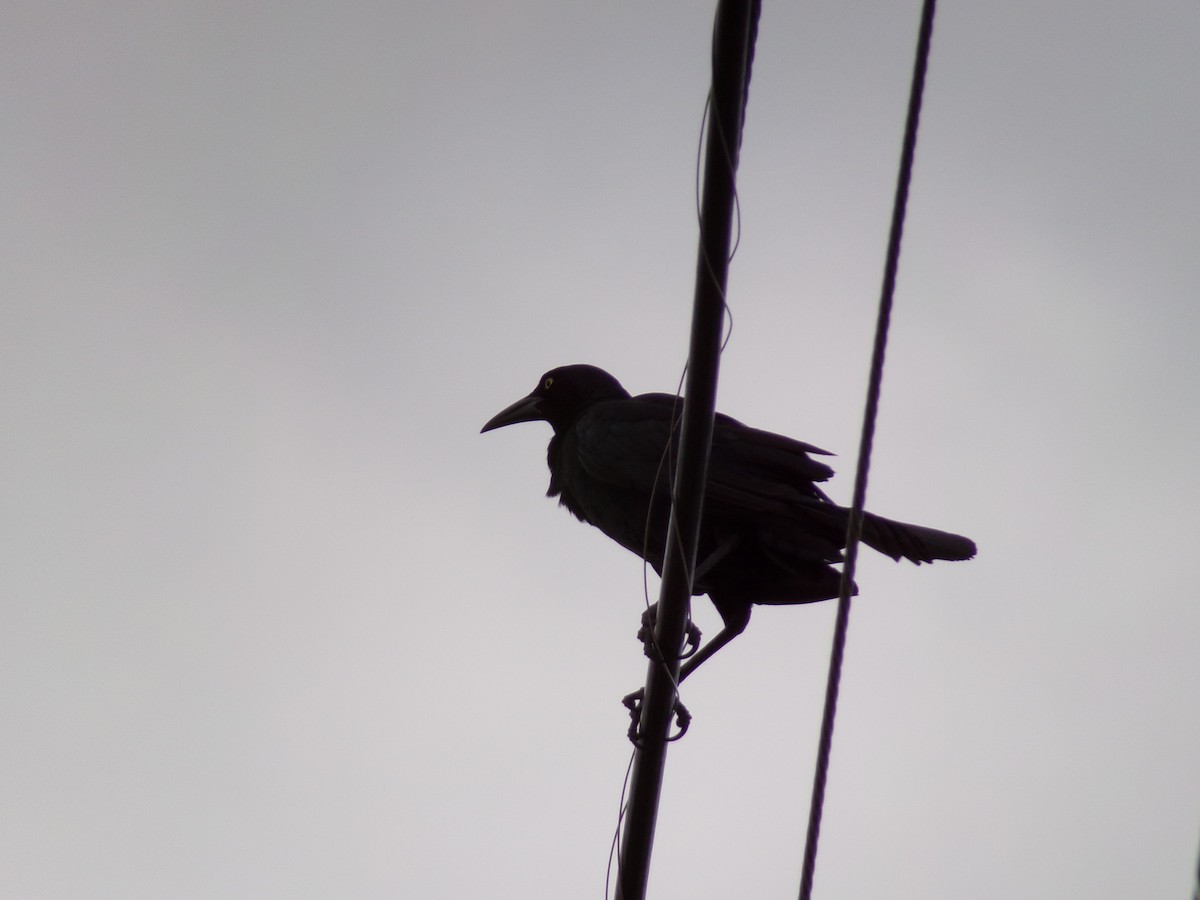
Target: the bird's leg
(646, 634)
(633, 702)
(736, 619)
(735, 623)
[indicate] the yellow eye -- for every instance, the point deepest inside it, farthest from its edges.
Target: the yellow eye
(546, 386)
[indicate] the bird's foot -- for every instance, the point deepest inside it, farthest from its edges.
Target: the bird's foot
(633, 702)
(646, 634)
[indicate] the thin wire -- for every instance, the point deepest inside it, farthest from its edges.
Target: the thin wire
(615, 848)
(731, 53)
(667, 460)
(737, 223)
(1196, 892)
(854, 527)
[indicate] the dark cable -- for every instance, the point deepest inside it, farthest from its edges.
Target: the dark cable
(730, 75)
(854, 527)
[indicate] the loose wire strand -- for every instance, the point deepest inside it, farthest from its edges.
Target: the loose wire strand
(733, 41)
(854, 527)
(614, 849)
(667, 460)
(666, 464)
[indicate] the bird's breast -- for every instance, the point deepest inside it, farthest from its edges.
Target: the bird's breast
(622, 513)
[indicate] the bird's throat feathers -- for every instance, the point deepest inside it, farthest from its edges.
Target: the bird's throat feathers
(553, 452)
(560, 481)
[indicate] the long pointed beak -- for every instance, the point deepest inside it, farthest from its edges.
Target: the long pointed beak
(527, 409)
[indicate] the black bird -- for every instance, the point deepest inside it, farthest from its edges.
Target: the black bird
(768, 534)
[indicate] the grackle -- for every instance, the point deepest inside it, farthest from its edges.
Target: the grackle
(768, 533)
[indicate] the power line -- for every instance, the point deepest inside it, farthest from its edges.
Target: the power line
(854, 527)
(733, 41)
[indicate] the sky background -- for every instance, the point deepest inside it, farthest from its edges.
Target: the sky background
(276, 621)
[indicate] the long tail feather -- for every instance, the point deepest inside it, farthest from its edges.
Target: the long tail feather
(917, 543)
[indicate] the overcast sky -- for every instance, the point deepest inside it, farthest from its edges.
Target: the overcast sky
(276, 620)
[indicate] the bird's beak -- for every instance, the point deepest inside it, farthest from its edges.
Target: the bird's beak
(527, 409)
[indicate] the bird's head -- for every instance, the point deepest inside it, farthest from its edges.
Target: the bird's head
(561, 397)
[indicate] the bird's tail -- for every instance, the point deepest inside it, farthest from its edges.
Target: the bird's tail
(914, 542)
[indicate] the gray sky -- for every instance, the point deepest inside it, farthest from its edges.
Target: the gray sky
(278, 622)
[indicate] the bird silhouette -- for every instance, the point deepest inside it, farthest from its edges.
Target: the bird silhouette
(768, 534)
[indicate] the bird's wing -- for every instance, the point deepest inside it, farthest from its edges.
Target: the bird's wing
(750, 471)
(749, 464)
(622, 443)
